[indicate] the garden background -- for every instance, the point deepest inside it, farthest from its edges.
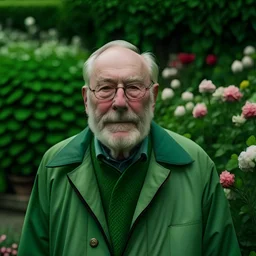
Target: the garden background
(206, 53)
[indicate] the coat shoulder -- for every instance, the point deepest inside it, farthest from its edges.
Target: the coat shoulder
(193, 149)
(55, 149)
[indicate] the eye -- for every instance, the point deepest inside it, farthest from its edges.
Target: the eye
(134, 86)
(105, 87)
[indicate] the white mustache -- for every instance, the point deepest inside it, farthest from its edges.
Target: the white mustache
(120, 118)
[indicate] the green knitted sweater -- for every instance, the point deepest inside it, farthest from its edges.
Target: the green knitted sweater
(119, 194)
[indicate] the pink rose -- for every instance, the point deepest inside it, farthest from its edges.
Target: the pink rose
(249, 110)
(206, 86)
(227, 179)
(232, 93)
(199, 110)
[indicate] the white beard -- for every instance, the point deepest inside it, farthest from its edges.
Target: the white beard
(104, 127)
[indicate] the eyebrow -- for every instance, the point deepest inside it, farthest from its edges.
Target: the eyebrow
(126, 80)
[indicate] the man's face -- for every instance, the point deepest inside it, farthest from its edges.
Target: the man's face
(120, 124)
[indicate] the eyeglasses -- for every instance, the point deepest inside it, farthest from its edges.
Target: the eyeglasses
(132, 91)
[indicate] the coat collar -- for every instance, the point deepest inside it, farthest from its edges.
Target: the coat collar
(167, 150)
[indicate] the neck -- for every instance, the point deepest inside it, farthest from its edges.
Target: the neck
(119, 155)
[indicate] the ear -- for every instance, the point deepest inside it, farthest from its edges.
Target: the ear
(84, 94)
(155, 93)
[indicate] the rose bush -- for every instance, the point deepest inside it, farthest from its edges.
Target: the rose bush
(221, 116)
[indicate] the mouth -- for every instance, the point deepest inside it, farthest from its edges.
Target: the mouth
(120, 126)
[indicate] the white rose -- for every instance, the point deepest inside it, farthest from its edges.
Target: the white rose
(238, 120)
(180, 111)
(187, 96)
(189, 106)
(167, 93)
(169, 72)
(247, 159)
(248, 50)
(29, 21)
(237, 66)
(230, 195)
(247, 62)
(175, 83)
(218, 94)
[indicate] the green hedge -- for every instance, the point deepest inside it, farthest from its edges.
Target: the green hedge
(163, 25)
(13, 13)
(40, 102)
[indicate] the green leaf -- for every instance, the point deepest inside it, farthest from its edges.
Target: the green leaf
(26, 157)
(232, 163)
(252, 253)
(67, 89)
(3, 80)
(35, 136)
(53, 139)
(55, 110)
(187, 135)
(68, 116)
(220, 152)
(15, 96)
(6, 162)
(2, 129)
(238, 182)
(15, 149)
(35, 124)
(251, 141)
(56, 98)
(5, 113)
(41, 115)
(244, 209)
(28, 99)
(21, 134)
(54, 124)
(36, 86)
(27, 170)
(13, 125)
(6, 90)
(5, 140)
(22, 114)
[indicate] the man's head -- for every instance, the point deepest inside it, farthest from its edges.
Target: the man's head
(120, 117)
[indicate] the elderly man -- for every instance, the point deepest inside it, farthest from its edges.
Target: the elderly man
(124, 185)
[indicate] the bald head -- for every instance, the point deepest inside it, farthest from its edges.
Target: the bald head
(146, 57)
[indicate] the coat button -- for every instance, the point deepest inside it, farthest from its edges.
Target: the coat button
(94, 242)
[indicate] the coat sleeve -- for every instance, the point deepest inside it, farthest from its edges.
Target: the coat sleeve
(35, 232)
(219, 237)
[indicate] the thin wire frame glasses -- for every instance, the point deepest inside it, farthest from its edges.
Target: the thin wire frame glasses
(132, 91)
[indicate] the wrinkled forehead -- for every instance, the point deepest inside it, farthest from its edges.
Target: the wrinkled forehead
(119, 58)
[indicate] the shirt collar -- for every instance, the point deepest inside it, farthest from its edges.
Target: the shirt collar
(166, 149)
(142, 149)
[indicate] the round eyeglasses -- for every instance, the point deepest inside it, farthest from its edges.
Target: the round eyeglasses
(132, 91)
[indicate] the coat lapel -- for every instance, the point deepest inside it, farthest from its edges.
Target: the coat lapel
(155, 177)
(82, 178)
(166, 153)
(84, 181)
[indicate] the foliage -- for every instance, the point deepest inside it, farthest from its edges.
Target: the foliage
(9, 240)
(194, 25)
(40, 81)
(242, 200)
(222, 129)
(13, 13)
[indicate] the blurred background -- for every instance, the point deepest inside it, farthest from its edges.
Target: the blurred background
(44, 43)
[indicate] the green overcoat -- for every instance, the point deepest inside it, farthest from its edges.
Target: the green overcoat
(181, 210)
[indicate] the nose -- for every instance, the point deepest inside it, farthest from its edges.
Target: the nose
(120, 100)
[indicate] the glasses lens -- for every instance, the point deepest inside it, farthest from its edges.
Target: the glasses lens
(135, 91)
(105, 92)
